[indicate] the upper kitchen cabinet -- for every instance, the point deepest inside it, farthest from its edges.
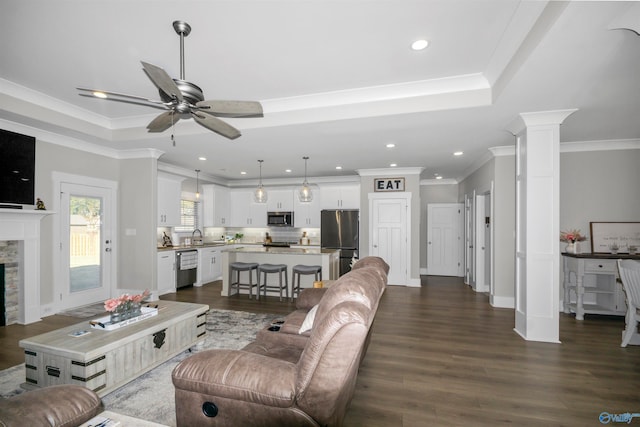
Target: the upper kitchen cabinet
(169, 193)
(245, 212)
(343, 196)
(280, 200)
(215, 206)
(306, 214)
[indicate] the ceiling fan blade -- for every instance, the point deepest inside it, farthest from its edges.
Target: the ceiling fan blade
(216, 125)
(163, 122)
(231, 108)
(162, 80)
(100, 94)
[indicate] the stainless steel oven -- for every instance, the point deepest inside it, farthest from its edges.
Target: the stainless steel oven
(186, 268)
(280, 219)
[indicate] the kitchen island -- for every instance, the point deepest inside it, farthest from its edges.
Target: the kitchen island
(329, 259)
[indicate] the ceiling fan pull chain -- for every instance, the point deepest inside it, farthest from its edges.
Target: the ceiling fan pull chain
(173, 129)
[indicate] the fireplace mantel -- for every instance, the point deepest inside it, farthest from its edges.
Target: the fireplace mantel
(24, 226)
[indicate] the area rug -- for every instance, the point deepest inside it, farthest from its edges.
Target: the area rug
(86, 311)
(151, 396)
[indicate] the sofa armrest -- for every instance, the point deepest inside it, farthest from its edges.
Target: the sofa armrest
(58, 406)
(238, 375)
(309, 297)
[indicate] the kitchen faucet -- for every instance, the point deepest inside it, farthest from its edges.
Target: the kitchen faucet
(193, 240)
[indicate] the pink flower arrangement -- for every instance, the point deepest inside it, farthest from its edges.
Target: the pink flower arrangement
(125, 301)
(572, 236)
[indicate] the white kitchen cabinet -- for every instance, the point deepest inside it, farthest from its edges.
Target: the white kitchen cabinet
(306, 214)
(345, 196)
(215, 206)
(209, 265)
(169, 193)
(166, 269)
(245, 212)
(280, 200)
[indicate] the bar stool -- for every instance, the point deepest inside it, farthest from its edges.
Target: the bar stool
(301, 269)
(238, 267)
(273, 268)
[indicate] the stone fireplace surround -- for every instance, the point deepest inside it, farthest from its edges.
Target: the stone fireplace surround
(20, 237)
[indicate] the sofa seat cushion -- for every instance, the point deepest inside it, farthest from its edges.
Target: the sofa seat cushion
(286, 353)
(56, 406)
(239, 375)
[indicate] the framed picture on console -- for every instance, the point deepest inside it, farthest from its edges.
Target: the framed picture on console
(613, 237)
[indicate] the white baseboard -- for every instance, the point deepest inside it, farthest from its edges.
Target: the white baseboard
(502, 302)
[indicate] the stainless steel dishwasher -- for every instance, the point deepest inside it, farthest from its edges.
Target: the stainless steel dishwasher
(186, 267)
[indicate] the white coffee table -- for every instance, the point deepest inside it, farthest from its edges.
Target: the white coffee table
(105, 360)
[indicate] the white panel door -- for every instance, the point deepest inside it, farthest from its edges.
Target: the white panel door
(444, 239)
(389, 237)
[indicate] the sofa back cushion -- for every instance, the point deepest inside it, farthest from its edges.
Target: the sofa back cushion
(364, 285)
(328, 367)
(371, 261)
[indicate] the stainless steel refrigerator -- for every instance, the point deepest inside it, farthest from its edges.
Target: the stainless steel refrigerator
(339, 230)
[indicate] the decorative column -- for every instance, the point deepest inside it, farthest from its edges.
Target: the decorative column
(537, 293)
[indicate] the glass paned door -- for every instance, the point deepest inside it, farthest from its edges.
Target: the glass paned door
(85, 244)
(85, 219)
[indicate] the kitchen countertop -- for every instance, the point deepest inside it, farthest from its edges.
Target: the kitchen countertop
(256, 245)
(183, 247)
(282, 251)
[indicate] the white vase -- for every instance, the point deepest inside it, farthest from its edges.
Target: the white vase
(571, 248)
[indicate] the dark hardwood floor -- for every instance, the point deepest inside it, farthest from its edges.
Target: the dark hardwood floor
(440, 355)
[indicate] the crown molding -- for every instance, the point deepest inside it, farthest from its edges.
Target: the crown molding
(390, 171)
(439, 181)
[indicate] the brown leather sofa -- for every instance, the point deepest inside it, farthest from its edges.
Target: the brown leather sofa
(54, 406)
(285, 378)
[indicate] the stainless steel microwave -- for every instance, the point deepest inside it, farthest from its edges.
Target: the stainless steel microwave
(280, 219)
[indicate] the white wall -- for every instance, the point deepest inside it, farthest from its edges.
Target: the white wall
(49, 158)
(598, 186)
(137, 225)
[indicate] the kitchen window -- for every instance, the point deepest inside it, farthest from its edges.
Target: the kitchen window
(189, 218)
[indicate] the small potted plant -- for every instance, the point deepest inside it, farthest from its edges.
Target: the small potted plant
(571, 237)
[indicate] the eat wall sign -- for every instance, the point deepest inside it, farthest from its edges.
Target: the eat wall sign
(388, 184)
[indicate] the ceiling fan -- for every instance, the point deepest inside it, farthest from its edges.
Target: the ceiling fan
(183, 99)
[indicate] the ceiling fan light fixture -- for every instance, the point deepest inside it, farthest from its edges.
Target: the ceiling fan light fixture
(260, 195)
(305, 194)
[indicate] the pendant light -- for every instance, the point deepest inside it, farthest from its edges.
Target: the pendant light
(305, 194)
(260, 195)
(197, 184)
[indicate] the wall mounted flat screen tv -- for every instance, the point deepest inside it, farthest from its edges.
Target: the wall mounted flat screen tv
(17, 168)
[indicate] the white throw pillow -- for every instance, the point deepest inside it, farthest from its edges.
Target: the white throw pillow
(308, 320)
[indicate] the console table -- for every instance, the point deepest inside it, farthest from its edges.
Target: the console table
(592, 278)
(105, 360)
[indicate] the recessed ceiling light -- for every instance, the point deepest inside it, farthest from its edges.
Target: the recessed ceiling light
(391, 145)
(339, 168)
(458, 153)
(419, 44)
(438, 177)
(202, 158)
(287, 170)
(393, 165)
(243, 173)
